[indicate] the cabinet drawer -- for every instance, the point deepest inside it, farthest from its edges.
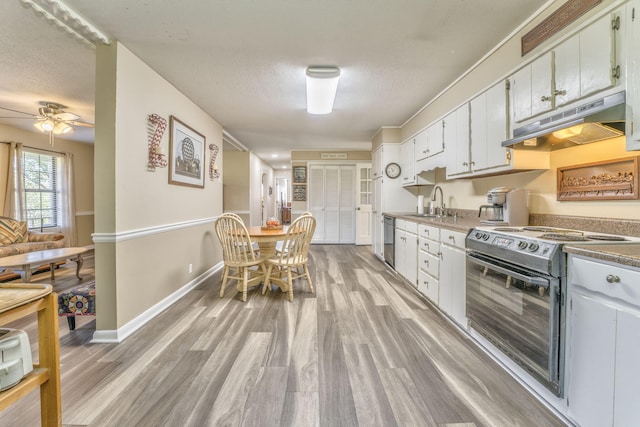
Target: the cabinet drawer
(430, 246)
(429, 263)
(429, 232)
(452, 238)
(411, 227)
(613, 281)
(428, 286)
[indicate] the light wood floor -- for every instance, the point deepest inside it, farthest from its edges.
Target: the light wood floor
(364, 350)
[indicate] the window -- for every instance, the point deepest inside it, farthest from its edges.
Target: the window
(40, 183)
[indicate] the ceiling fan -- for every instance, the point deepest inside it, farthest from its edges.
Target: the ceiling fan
(52, 118)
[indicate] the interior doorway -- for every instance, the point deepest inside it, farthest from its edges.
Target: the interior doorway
(283, 200)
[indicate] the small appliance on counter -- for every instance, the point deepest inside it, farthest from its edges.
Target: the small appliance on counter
(508, 207)
(15, 357)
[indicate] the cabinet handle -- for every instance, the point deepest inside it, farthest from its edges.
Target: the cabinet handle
(465, 164)
(545, 98)
(559, 92)
(426, 262)
(451, 238)
(613, 279)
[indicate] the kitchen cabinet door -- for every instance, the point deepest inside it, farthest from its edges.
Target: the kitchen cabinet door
(521, 94)
(456, 141)
(567, 71)
(497, 125)
(591, 363)
(422, 144)
(542, 84)
(626, 409)
(435, 138)
(408, 162)
(488, 126)
(452, 286)
(633, 75)
(598, 55)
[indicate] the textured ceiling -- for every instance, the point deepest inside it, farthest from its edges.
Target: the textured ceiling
(243, 61)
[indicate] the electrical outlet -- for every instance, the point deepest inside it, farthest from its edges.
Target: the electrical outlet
(190, 268)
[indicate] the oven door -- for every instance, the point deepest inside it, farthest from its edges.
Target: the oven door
(518, 310)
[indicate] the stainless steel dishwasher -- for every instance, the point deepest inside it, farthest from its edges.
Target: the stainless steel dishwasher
(389, 240)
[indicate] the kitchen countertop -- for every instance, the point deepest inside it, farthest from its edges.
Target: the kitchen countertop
(462, 223)
(627, 254)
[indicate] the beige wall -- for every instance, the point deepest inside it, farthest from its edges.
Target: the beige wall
(471, 193)
(147, 231)
(236, 173)
(83, 168)
(243, 186)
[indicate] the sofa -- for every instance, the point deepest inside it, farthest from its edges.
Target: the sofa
(16, 239)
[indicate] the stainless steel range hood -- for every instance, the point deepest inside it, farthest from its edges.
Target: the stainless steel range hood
(596, 121)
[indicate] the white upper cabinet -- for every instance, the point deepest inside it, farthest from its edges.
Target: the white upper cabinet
(422, 145)
(566, 60)
(599, 67)
(633, 75)
(521, 94)
(408, 162)
(456, 141)
(435, 138)
(581, 65)
(489, 126)
(542, 84)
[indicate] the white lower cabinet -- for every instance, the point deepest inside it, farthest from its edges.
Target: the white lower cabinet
(406, 250)
(603, 344)
(453, 275)
(428, 261)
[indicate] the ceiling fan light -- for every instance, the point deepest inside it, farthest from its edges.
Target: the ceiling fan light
(322, 85)
(44, 126)
(62, 128)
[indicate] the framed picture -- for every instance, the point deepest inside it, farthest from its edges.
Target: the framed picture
(299, 174)
(608, 180)
(299, 193)
(186, 155)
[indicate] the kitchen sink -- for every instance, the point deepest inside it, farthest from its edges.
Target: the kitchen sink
(436, 216)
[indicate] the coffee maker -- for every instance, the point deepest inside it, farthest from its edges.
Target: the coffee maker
(508, 207)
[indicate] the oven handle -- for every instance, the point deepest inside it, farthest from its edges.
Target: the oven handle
(538, 281)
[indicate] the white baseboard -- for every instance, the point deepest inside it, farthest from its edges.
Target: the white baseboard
(119, 335)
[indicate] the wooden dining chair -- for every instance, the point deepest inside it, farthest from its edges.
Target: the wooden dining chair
(241, 263)
(291, 262)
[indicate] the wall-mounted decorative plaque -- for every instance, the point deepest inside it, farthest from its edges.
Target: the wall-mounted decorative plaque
(608, 180)
(299, 193)
(299, 174)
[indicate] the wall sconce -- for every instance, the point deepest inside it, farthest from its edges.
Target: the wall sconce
(213, 167)
(155, 128)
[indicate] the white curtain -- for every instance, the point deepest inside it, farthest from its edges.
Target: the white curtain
(67, 199)
(14, 195)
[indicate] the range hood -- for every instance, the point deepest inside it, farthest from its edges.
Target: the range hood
(596, 121)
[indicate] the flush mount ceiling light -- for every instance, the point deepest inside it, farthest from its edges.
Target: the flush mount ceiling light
(322, 84)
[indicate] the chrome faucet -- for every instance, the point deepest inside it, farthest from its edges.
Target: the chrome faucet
(433, 198)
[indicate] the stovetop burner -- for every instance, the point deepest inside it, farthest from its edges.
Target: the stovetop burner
(607, 238)
(564, 237)
(538, 228)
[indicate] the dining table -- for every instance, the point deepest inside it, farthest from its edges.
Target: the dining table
(267, 238)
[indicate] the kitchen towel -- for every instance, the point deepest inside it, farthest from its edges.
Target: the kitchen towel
(420, 205)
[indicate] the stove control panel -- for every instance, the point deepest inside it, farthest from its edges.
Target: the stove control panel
(516, 244)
